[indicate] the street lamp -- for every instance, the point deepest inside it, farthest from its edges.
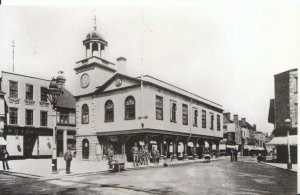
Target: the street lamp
(54, 93)
(287, 123)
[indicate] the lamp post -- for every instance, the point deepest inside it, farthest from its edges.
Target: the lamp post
(287, 123)
(54, 93)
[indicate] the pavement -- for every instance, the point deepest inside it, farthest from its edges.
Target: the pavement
(41, 168)
(282, 166)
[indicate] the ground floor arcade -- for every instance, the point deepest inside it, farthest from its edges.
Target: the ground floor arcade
(173, 145)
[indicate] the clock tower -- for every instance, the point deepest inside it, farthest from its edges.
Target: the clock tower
(94, 70)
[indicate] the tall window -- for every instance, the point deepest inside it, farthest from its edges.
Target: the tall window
(173, 111)
(159, 108)
(29, 92)
(211, 121)
(218, 123)
(185, 114)
(109, 111)
(13, 89)
(13, 116)
(203, 119)
(44, 118)
(29, 117)
(85, 114)
(44, 94)
(195, 122)
(129, 108)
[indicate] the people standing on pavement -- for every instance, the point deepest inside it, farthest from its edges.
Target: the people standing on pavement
(231, 155)
(146, 154)
(110, 155)
(134, 152)
(68, 158)
(5, 156)
(235, 153)
(141, 156)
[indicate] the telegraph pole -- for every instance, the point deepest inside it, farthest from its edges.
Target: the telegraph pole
(13, 46)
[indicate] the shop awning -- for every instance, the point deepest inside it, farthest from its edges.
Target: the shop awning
(2, 141)
(248, 147)
(283, 140)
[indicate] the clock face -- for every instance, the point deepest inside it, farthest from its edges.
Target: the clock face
(84, 80)
(118, 82)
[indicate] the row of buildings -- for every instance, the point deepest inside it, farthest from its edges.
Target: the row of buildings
(109, 107)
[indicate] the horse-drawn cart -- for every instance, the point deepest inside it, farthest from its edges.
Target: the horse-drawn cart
(117, 162)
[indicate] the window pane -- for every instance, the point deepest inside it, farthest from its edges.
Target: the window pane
(43, 94)
(159, 108)
(13, 89)
(129, 108)
(29, 92)
(29, 117)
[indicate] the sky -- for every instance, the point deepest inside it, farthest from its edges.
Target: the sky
(225, 51)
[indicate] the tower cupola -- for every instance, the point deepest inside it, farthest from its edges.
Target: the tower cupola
(94, 43)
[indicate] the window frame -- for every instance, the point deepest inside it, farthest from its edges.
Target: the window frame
(212, 118)
(173, 119)
(129, 109)
(85, 114)
(106, 110)
(159, 108)
(43, 97)
(15, 111)
(28, 93)
(185, 114)
(195, 117)
(27, 118)
(204, 121)
(13, 93)
(218, 122)
(43, 121)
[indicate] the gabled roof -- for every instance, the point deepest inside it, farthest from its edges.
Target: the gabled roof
(226, 120)
(245, 124)
(67, 100)
(161, 84)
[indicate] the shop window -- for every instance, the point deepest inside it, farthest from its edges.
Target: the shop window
(185, 118)
(109, 111)
(85, 114)
(29, 92)
(13, 116)
(29, 117)
(44, 118)
(13, 89)
(129, 108)
(159, 108)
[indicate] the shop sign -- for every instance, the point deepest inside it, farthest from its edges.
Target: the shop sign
(14, 131)
(231, 138)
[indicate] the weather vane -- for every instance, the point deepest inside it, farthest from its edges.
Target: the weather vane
(95, 25)
(13, 46)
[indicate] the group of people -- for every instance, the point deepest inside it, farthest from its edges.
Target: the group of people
(141, 156)
(234, 155)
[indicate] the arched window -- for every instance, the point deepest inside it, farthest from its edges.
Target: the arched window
(109, 111)
(129, 108)
(85, 114)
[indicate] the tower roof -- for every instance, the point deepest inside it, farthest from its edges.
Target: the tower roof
(94, 35)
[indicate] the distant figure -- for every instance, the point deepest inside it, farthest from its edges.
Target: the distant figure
(231, 155)
(235, 153)
(68, 158)
(155, 155)
(5, 156)
(135, 153)
(110, 154)
(146, 155)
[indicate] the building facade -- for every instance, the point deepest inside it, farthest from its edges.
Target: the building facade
(29, 116)
(285, 106)
(115, 109)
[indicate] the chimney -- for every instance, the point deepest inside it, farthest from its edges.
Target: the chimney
(254, 127)
(227, 115)
(236, 119)
(243, 119)
(121, 65)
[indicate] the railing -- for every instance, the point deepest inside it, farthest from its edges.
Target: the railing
(29, 102)
(13, 100)
(44, 104)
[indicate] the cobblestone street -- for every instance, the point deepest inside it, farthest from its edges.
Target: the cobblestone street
(218, 177)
